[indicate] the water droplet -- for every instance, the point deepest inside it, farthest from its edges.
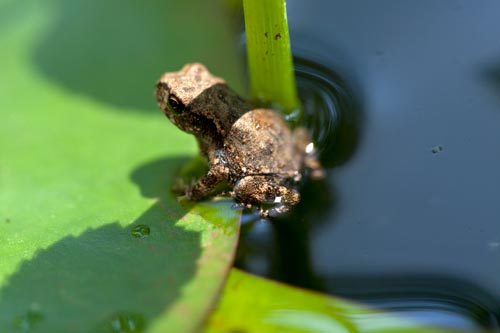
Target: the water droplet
(140, 231)
(28, 321)
(437, 149)
(127, 322)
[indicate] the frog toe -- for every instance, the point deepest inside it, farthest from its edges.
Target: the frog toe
(275, 211)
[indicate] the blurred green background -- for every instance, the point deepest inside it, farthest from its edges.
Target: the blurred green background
(113, 51)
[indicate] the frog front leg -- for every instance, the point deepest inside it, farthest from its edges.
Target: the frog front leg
(266, 191)
(204, 187)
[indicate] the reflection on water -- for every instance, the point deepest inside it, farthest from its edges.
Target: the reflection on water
(414, 196)
(280, 249)
(331, 112)
(446, 316)
(442, 301)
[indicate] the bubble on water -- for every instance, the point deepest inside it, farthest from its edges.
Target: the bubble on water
(140, 231)
(127, 322)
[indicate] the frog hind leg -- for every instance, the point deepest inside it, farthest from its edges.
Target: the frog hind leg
(267, 192)
(316, 170)
(305, 147)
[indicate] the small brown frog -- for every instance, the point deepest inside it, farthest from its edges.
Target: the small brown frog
(251, 150)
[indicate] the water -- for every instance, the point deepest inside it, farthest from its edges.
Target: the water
(408, 219)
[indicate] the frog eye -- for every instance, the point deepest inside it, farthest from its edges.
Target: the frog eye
(174, 104)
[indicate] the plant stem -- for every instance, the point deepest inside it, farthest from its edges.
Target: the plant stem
(270, 66)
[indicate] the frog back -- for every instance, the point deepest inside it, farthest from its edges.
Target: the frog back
(260, 142)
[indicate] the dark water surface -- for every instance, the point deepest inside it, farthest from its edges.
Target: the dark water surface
(409, 217)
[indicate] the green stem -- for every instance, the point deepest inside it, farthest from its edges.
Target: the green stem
(270, 64)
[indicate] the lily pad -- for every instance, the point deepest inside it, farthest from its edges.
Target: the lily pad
(252, 304)
(92, 240)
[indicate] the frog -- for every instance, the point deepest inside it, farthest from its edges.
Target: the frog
(251, 150)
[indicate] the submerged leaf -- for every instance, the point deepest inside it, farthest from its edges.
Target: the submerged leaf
(252, 304)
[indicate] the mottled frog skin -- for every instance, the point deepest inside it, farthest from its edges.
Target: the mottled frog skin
(251, 150)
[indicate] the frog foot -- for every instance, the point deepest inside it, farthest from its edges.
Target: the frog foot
(275, 211)
(267, 192)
